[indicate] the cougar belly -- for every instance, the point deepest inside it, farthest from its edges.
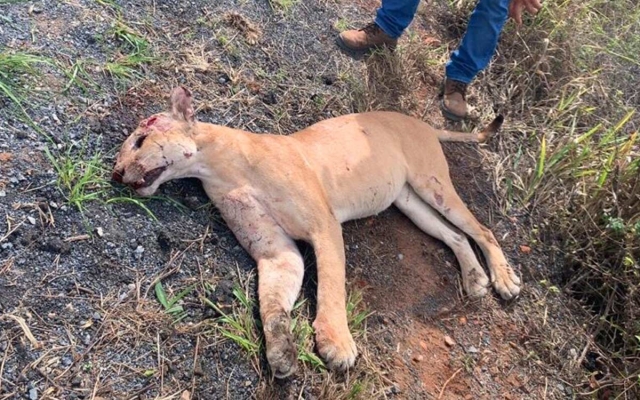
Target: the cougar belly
(366, 198)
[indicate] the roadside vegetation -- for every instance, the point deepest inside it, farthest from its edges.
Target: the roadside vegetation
(570, 158)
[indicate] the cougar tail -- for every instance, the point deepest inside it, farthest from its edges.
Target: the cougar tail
(480, 137)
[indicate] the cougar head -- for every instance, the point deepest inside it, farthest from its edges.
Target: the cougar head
(160, 149)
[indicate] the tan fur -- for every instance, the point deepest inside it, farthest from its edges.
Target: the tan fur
(272, 190)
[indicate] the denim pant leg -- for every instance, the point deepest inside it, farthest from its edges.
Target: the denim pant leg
(480, 41)
(395, 15)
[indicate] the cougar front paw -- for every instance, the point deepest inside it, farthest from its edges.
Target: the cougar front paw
(282, 353)
(475, 282)
(506, 282)
(335, 346)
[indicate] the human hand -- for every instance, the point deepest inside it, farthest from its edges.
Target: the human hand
(517, 6)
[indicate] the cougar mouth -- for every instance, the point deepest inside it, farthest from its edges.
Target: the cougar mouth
(148, 178)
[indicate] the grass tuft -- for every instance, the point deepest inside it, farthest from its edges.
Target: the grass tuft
(170, 304)
(14, 66)
(239, 325)
(80, 179)
(568, 81)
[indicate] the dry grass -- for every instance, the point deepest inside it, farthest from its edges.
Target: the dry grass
(570, 158)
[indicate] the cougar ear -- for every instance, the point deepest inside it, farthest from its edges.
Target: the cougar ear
(181, 107)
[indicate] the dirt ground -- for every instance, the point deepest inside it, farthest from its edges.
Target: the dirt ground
(79, 316)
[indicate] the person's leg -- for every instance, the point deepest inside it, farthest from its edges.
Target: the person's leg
(394, 16)
(392, 19)
(473, 55)
(479, 42)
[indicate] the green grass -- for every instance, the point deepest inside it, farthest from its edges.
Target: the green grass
(341, 24)
(80, 178)
(170, 304)
(303, 333)
(134, 41)
(239, 325)
(128, 66)
(283, 5)
(135, 49)
(573, 156)
(14, 66)
(78, 76)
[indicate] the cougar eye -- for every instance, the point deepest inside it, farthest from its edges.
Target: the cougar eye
(139, 142)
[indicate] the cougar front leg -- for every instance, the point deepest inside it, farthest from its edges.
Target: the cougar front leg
(279, 280)
(333, 339)
(280, 273)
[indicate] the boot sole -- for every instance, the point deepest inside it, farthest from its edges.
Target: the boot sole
(355, 54)
(449, 115)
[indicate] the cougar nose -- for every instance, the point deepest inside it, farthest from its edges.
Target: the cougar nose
(117, 175)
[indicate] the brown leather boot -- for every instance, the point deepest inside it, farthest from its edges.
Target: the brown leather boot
(454, 103)
(358, 42)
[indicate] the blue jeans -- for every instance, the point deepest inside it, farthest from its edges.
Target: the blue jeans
(478, 44)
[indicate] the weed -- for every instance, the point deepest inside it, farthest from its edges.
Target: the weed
(341, 25)
(79, 179)
(126, 35)
(127, 66)
(136, 52)
(283, 5)
(240, 325)
(78, 76)
(356, 313)
(303, 334)
(12, 67)
(576, 162)
(171, 305)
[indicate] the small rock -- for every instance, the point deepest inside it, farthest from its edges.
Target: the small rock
(197, 369)
(33, 394)
(53, 204)
(34, 10)
(76, 381)
(472, 350)
(32, 220)
(6, 246)
(400, 256)
(138, 252)
(448, 340)
(100, 231)
(573, 354)
(418, 358)
(3, 193)
(395, 389)
(560, 387)
(222, 81)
